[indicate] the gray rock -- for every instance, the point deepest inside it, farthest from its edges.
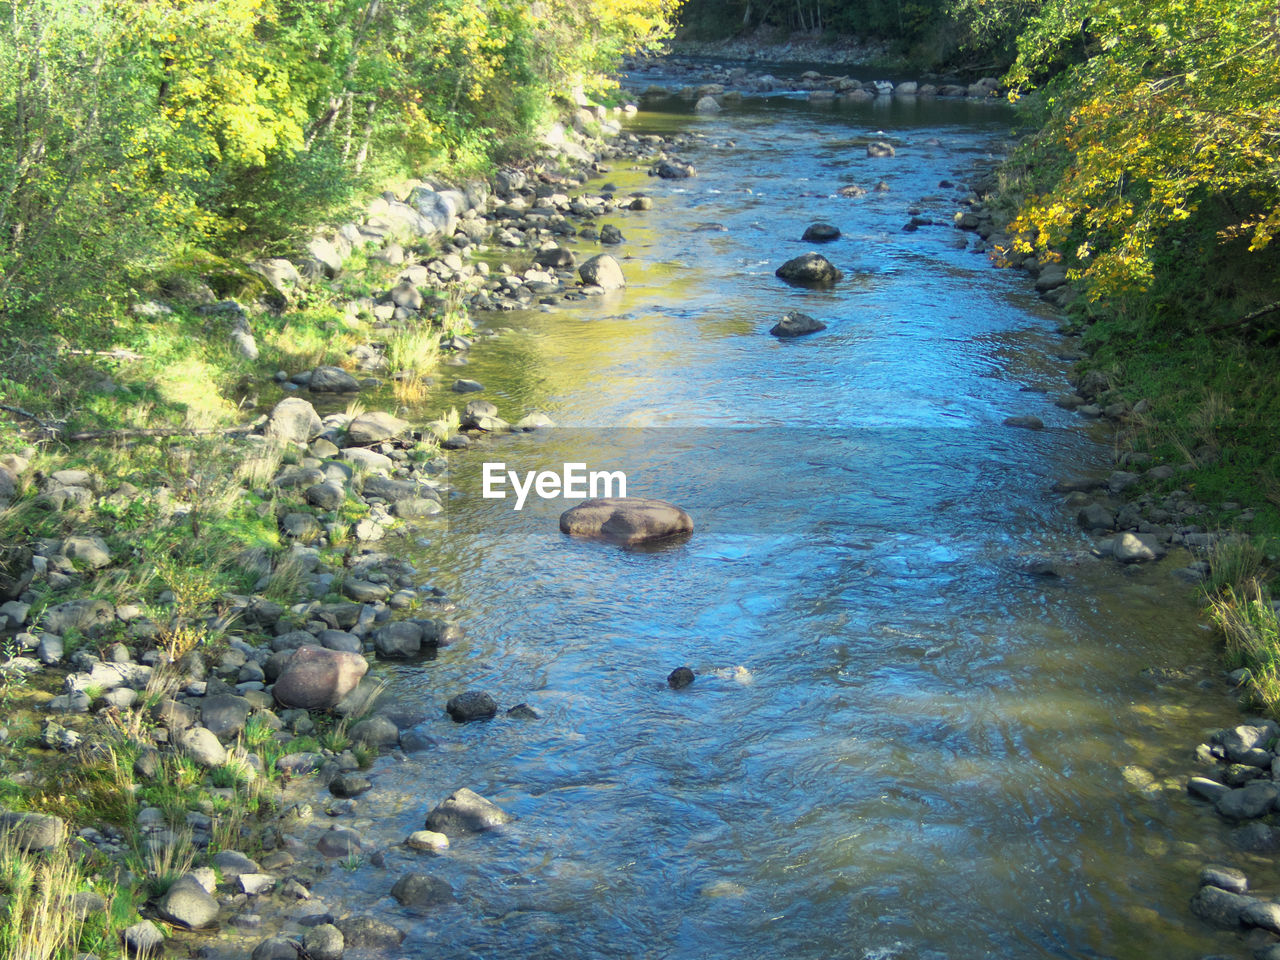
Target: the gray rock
(202, 746)
(533, 421)
(224, 715)
(1255, 837)
(326, 496)
(328, 379)
(1248, 802)
(348, 785)
(1051, 277)
(316, 678)
(1027, 422)
(370, 933)
(1218, 907)
(611, 235)
(88, 903)
(419, 890)
(1207, 789)
(428, 841)
(275, 948)
(1239, 742)
(675, 169)
(233, 864)
(797, 324)
(50, 649)
(555, 258)
(375, 427)
(707, 104)
(339, 842)
(471, 705)
(32, 831)
(1261, 913)
(820, 233)
(879, 148)
(602, 271)
(188, 904)
(1096, 517)
(522, 711)
(465, 811)
(680, 678)
(1137, 547)
(143, 940)
(625, 520)
(400, 640)
(91, 552)
(467, 386)
(90, 617)
(809, 269)
(324, 942)
(280, 275)
(376, 731)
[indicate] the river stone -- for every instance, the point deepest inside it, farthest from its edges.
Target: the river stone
(820, 233)
(202, 746)
(602, 271)
(369, 933)
(427, 840)
(797, 324)
(675, 169)
(374, 427)
(467, 386)
(232, 864)
(1261, 913)
(1051, 277)
(679, 678)
(142, 940)
(188, 904)
(91, 552)
(349, 785)
(1218, 907)
(399, 640)
(625, 520)
(32, 831)
(1247, 803)
(225, 715)
(1207, 789)
(364, 591)
(809, 269)
(533, 421)
(465, 811)
(316, 678)
(420, 890)
(339, 842)
(1096, 517)
(293, 420)
(1137, 547)
(555, 258)
(328, 379)
(471, 705)
(377, 731)
(275, 948)
(1027, 422)
(324, 942)
(1239, 742)
(879, 148)
(90, 617)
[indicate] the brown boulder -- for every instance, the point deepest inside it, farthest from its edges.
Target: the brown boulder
(625, 520)
(316, 678)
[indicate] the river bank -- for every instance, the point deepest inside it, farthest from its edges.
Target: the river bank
(501, 887)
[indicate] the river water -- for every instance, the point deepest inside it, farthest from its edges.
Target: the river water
(899, 744)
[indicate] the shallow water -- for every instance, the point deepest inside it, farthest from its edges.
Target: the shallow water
(899, 744)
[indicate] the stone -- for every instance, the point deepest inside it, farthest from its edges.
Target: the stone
(1261, 913)
(465, 811)
(533, 421)
(602, 271)
(202, 746)
(30, 832)
(1137, 547)
(339, 842)
(880, 149)
(329, 379)
(1095, 516)
(143, 939)
(88, 903)
(90, 617)
(1207, 789)
(428, 841)
(471, 705)
(467, 386)
(611, 235)
(675, 169)
(555, 258)
(377, 731)
(419, 890)
(1218, 907)
(626, 520)
(326, 496)
(324, 942)
(1051, 277)
(188, 904)
(399, 640)
(375, 427)
(349, 785)
(370, 933)
(679, 678)
(233, 864)
(1026, 422)
(796, 324)
(1248, 802)
(522, 711)
(256, 884)
(820, 232)
(809, 269)
(316, 678)
(91, 552)
(275, 948)
(364, 591)
(225, 715)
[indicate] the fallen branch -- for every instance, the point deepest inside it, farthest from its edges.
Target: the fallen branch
(119, 353)
(1247, 318)
(143, 432)
(51, 425)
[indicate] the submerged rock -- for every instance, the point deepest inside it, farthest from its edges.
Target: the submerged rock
(796, 324)
(626, 520)
(809, 269)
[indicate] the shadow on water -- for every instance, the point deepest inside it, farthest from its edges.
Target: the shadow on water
(899, 743)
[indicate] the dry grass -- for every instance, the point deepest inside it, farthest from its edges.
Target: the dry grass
(38, 922)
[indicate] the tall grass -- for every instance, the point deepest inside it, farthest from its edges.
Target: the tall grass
(38, 922)
(1250, 626)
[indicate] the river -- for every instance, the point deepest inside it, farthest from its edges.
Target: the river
(900, 743)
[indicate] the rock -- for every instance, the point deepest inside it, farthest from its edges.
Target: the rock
(374, 427)
(275, 948)
(188, 904)
(203, 747)
(419, 890)
(280, 275)
(1096, 517)
(399, 640)
(707, 104)
(465, 811)
(810, 269)
(879, 148)
(1207, 789)
(327, 379)
(233, 864)
(675, 169)
(316, 678)
(224, 716)
(326, 496)
(1137, 547)
(1026, 422)
(427, 840)
(323, 942)
(602, 271)
(522, 711)
(555, 258)
(1261, 913)
(1218, 907)
(796, 324)
(533, 421)
(820, 233)
(143, 939)
(301, 526)
(679, 678)
(611, 235)
(625, 520)
(88, 903)
(363, 591)
(349, 785)
(1247, 803)
(89, 617)
(339, 842)
(1051, 277)
(377, 731)
(467, 386)
(405, 294)
(91, 552)
(32, 831)
(369, 933)
(471, 705)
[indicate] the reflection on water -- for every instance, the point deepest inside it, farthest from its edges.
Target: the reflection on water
(899, 743)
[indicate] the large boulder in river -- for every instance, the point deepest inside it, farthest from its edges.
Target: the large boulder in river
(675, 169)
(326, 379)
(707, 104)
(797, 324)
(625, 520)
(809, 269)
(602, 271)
(374, 427)
(878, 148)
(820, 233)
(465, 811)
(293, 420)
(316, 678)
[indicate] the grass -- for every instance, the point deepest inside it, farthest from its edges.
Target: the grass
(38, 922)
(1249, 624)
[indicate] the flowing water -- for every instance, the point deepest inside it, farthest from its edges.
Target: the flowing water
(899, 743)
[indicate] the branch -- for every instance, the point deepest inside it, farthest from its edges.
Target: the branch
(1247, 318)
(119, 353)
(139, 433)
